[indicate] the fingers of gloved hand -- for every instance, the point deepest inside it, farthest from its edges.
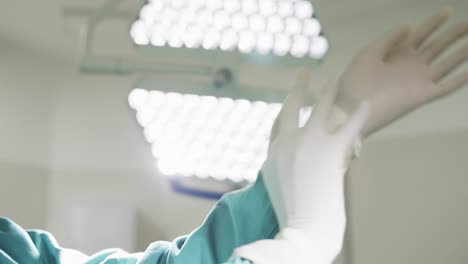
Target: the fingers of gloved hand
(288, 117)
(385, 44)
(449, 64)
(353, 128)
(429, 27)
(322, 108)
(451, 85)
(445, 40)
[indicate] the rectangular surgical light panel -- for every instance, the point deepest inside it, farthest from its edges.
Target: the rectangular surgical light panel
(274, 27)
(205, 136)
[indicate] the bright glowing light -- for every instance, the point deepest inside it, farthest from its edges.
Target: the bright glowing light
(304, 9)
(229, 40)
(167, 167)
(221, 20)
(158, 36)
(175, 35)
(231, 6)
(221, 24)
(282, 44)
(275, 24)
(300, 46)
(285, 8)
(137, 98)
(170, 15)
(157, 40)
(293, 25)
(257, 23)
(264, 43)
(177, 4)
(139, 33)
(206, 136)
(318, 47)
(147, 14)
(213, 4)
(312, 27)
(204, 19)
(193, 37)
(212, 39)
(239, 22)
(249, 7)
(267, 7)
(246, 42)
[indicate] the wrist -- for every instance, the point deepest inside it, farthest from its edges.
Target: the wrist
(270, 178)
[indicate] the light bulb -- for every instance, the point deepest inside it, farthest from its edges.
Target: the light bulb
(228, 40)
(304, 9)
(300, 46)
(137, 98)
(166, 167)
(211, 40)
(169, 15)
(175, 34)
(193, 37)
(177, 4)
(239, 22)
(318, 47)
(231, 6)
(257, 23)
(221, 20)
(249, 7)
(204, 19)
(282, 44)
(267, 7)
(275, 24)
(285, 8)
(312, 27)
(213, 5)
(139, 34)
(158, 35)
(246, 42)
(264, 43)
(293, 26)
(147, 14)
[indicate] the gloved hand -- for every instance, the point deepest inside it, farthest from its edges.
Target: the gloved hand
(305, 169)
(399, 72)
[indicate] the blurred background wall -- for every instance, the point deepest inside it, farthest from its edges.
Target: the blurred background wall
(69, 140)
(27, 99)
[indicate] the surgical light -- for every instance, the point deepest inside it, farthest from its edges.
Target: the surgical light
(206, 136)
(225, 24)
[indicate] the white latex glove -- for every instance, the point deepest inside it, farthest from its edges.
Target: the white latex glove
(399, 72)
(305, 173)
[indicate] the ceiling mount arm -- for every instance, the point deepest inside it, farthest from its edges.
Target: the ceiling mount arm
(88, 30)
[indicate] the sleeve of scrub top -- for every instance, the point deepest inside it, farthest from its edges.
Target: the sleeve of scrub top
(237, 219)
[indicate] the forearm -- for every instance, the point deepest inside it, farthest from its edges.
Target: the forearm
(239, 218)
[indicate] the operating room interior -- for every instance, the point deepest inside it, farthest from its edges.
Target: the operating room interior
(77, 157)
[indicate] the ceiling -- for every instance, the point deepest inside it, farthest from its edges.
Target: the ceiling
(52, 27)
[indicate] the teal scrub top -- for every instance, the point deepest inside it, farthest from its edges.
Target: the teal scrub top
(238, 218)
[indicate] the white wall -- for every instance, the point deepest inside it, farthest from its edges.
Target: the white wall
(27, 96)
(27, 93)
(100, 158)
(408, 201)
(69, 140)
